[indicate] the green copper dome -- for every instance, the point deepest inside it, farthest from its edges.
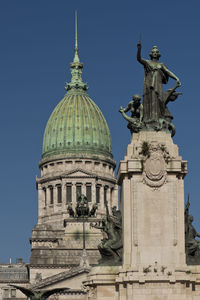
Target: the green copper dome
(76, 127)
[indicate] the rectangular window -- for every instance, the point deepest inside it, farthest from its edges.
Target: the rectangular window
(89, 192)
(6, 293)
(105, 194)
(51, 194)
(13, 293)
(45, 196)
(111, 195)
(69, 193)
(78, 191)
(97, 194)
(59, 193)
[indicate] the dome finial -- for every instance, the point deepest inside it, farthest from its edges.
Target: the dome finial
(76, 67)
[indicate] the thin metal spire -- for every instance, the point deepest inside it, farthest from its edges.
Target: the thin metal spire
(76, 67)
(76, 58)
(76, 39)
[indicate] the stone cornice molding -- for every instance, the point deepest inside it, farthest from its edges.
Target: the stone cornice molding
(60, 277)
(72, 175)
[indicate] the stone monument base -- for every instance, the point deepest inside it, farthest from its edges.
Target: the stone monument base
(151, 283)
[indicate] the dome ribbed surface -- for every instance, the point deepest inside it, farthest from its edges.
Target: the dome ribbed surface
(77, 128)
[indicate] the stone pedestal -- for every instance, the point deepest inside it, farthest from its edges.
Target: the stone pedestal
(152, 201)
(151, 177)
(101, 283)
(155, 282)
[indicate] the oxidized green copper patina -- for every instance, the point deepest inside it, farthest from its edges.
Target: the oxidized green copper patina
(77, 127)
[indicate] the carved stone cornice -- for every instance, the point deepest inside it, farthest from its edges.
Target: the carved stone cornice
(60, 277)
(72, 174)
(53, 240)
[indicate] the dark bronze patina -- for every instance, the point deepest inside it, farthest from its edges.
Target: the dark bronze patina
(153, 113)
(192, 246)
(111, 246)
(37, 294)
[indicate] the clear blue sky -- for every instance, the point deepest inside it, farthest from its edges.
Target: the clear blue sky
(37, 44)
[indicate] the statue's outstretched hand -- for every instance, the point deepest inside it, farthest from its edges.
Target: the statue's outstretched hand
(121, 109)
(139, 45)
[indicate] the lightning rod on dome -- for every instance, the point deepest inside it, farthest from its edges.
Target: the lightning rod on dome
(76, 57)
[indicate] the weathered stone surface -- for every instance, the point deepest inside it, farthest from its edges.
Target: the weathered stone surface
(153, 201)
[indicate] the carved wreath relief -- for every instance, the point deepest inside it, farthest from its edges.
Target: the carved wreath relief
(154, 167)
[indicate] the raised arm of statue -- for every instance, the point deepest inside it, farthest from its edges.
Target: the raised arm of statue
(139, 58)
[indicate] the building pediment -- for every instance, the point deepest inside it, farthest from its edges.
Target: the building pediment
(79, 173)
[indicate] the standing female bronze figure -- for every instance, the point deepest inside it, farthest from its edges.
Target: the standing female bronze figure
(156, 74)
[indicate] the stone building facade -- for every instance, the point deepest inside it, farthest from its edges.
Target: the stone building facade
(76, 159)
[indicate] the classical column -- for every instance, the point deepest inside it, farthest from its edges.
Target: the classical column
(74, 194)
(108, 197)
(41, 203)
(115, 196)
(101, 192)
(47, 199)
(55, 198)
(93, 193)
(64, 196)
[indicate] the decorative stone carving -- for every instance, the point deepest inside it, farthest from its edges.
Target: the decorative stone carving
(92, 291)
(38, 277)
(154, 164)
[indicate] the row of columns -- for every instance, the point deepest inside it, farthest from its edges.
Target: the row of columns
(44, 196)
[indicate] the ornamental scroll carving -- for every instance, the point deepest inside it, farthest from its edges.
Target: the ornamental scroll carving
(91, 292)
(155, 164)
